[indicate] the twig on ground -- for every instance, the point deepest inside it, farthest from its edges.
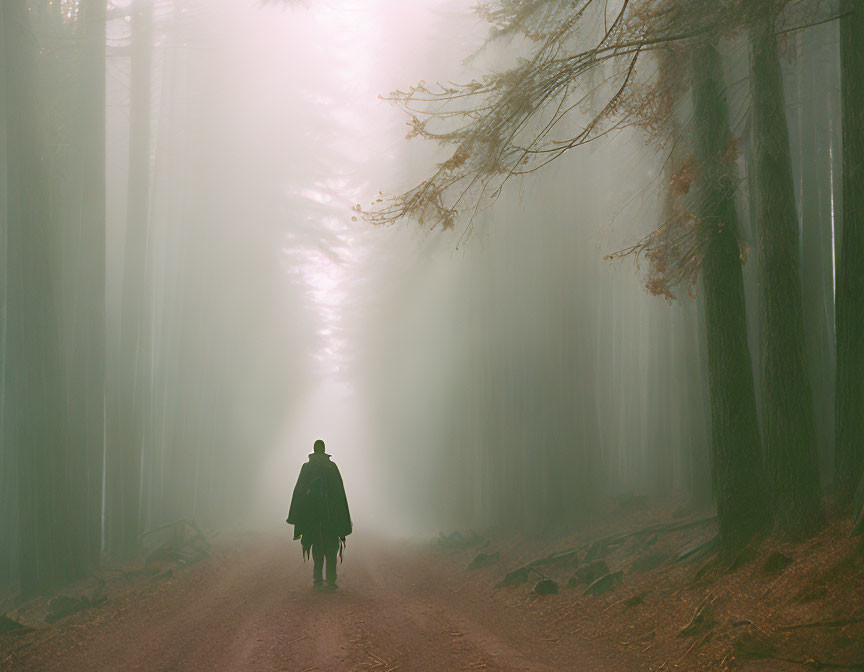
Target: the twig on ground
(826, 623)
(697, 643)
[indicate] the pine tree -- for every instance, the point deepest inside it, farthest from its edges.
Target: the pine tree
(849, 452)
(126, 436)
(736, 463)
(788, 423)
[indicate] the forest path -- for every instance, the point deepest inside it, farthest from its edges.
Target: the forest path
(400, 607)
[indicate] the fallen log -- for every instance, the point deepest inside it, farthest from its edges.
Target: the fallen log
(658, 528)
(603, 543)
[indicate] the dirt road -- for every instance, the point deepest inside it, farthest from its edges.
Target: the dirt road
(252, 608)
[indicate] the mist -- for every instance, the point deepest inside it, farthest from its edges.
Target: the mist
(528, 291)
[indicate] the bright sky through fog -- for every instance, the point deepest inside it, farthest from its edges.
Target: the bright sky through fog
(315, 73)
(346, 78)
(344, 69)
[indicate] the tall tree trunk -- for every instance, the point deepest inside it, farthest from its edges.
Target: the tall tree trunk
(788, 426)
(816, 67)
(8, 482)
(736, 464)
(849, 455)
(35, 403)
(125, 451)
(92, 272)
(78, 197)
(698, 409)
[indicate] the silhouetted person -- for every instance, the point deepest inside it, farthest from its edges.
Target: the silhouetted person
(319, 514)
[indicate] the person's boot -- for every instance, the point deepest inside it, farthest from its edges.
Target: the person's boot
(331, 586)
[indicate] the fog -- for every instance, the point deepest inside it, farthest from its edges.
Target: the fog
(453, 374)
(504, 372)
(267, 129)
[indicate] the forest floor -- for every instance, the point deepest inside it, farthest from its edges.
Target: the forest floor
(668, 601)
(416, 608)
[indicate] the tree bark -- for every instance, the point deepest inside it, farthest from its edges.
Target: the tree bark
(788, 423)
(849, 387)
(736, 464)
(699, 410)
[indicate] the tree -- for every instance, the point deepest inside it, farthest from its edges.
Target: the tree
(788, 422)
(84, 284)
(8, 484)
(737, 472)
(93, 215)
(35, 402)
(815, 130)
(128, 415)
(849, 451)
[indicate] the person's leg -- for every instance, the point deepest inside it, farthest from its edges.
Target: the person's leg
(331, 551)
(318, 564)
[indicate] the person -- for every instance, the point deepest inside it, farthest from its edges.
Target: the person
(319, 514)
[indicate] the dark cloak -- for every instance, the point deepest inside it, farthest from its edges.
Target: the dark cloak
(319, 507)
